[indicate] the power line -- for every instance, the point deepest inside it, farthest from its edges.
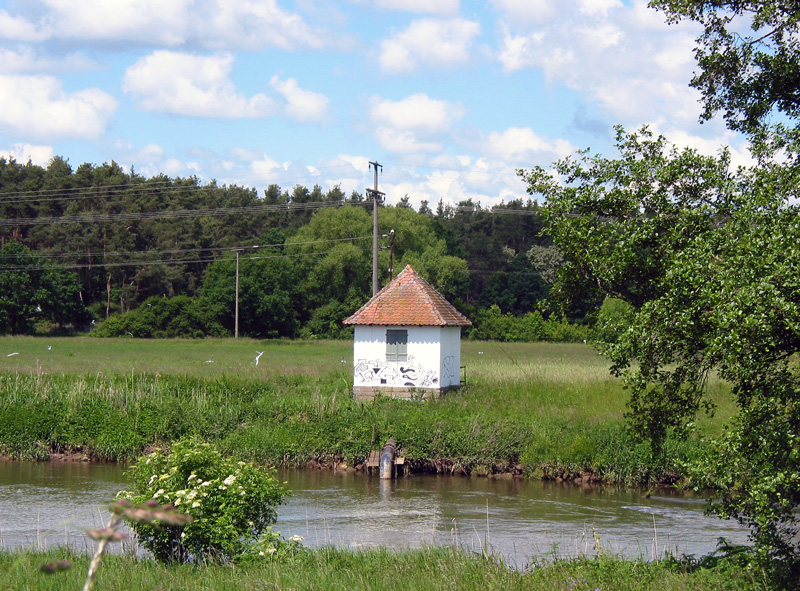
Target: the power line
(123, 253)
(177, 261)
(171, 214)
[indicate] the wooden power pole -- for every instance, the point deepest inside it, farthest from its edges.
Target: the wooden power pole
(376, 199)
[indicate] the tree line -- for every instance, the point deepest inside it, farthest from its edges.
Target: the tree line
(101, 244)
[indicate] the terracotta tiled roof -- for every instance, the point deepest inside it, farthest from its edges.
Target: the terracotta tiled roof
(408, 300)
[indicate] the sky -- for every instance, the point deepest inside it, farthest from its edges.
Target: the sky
(451, 97)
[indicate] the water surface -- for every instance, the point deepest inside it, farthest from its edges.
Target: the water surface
(49, 503)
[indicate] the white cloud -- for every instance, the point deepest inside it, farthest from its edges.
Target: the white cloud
(14, 28)
(143, 21)
(302, 105)
(38, 107)
(406, 142)
(410, 125)
(195, 86)
(253, 24)
(521, 145)
(417, 112)
(429, 42)
(621, 57)
(25, 60)
(527, 11)
(215, 24)
(739, 150)
(439, 7)
(23, 153)
(598, 7)
(256, 161)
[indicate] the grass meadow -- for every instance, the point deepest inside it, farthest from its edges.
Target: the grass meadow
(547, 410)
(433, 568)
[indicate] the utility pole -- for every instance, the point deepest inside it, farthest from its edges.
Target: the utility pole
(236, 314)
(236, 305)
(376, 198)
(390, 236)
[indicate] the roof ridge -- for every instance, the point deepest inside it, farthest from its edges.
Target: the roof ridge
(408, 299)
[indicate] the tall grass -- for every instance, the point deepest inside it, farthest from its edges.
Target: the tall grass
(549, 410)
(425, 569)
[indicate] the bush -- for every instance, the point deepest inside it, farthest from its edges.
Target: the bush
(232, 503)
(491, 324)
(160, 318)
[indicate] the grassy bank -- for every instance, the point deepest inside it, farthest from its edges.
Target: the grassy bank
(429, 568)
(548, 410)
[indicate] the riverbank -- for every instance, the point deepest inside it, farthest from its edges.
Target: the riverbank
(527, 410)
(432, 568)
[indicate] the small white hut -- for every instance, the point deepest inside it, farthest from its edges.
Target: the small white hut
(407, 341)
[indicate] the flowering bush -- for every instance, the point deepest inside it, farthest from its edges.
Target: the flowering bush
(271, 546)
(232, 503)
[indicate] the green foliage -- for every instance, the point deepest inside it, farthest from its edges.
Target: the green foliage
(517, 291)
(326, 322)
(160, 317)
(492, 324)
(269, 300)
(232, 503)
(749, 66)
(708, 260)
(30, 291)
(613, 318)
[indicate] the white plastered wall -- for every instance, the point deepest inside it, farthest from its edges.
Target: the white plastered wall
(425, 360)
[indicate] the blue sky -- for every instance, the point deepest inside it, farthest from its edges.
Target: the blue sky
(450, 96)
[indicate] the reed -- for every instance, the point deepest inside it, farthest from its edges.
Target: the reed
(551, 408)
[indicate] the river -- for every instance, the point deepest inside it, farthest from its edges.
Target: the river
(50, 503)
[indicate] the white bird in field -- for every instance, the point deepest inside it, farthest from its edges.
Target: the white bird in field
(49, 347)
(210, 359)
(12, 354)
(260, 353)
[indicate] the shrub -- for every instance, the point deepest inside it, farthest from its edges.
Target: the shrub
(232, 503)
(160, 317)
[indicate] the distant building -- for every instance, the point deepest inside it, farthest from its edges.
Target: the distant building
(407, 341)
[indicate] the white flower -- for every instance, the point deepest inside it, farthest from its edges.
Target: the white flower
(296, 538)
(152, 478)
(229, 480)
(206, 483)
(159, 492)
(192, 476)
(196, 504)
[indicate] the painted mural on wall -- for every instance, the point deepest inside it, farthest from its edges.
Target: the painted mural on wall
(400, 374)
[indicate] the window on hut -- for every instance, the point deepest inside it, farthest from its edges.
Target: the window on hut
(396, 345)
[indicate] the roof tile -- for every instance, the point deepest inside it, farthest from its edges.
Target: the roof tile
(408, 300)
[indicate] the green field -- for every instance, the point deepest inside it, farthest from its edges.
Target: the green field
(548, 410)
(427, 569)
(551, 410)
